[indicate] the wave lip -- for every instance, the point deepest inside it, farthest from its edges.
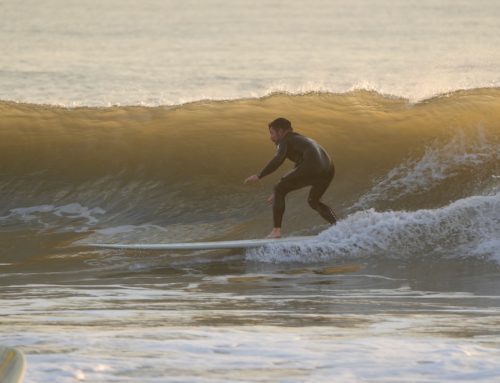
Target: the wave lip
(467, 227)
(472, 151)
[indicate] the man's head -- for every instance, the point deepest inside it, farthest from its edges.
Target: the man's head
(279, 128)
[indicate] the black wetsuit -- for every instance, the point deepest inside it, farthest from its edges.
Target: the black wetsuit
(313, 167)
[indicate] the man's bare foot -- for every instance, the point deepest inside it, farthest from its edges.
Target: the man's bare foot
(275, 233)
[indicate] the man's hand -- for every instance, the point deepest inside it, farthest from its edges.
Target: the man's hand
(271, 198)
(252, 178)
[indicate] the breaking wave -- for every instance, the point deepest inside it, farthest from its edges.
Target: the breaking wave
(410, 177)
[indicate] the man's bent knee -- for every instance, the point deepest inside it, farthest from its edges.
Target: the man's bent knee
(314, 203)
(281, 189)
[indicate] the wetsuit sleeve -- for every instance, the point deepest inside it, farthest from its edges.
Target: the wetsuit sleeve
(276, 161)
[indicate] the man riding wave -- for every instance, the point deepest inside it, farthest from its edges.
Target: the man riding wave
(313, 167)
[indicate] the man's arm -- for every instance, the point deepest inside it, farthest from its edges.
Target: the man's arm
(272, 165)
(276, 161)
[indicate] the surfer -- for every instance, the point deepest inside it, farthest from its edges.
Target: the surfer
(313, 167)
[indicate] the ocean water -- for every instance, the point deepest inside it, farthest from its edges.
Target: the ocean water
(122, 52)
(132, 122)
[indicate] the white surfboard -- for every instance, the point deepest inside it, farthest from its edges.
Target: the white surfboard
(12, 365)
(239, 244)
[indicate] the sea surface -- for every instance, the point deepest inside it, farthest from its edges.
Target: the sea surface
(137, 122)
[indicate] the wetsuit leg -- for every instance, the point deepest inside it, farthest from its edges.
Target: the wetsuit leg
(317, 191)
(302, 176)
(285, 186)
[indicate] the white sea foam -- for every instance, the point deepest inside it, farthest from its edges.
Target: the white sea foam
(48, 216)
(467, 227)
(240, 354)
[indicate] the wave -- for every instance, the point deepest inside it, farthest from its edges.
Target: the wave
(184, 165)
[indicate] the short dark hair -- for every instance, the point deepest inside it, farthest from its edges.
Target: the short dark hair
(281, 123)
